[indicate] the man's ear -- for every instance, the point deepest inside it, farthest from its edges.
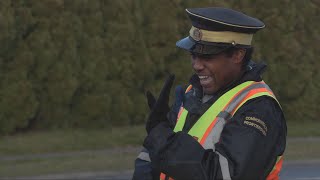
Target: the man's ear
(239, 55)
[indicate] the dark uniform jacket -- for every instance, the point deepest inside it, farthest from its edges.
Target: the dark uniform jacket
(250, 153)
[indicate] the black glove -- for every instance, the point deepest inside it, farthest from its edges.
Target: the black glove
(159, 107)
(175, 108)
(179, 92)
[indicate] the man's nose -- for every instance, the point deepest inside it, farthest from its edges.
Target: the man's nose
(197, 64)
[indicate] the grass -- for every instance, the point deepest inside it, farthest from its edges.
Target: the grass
(93, 150)
(303, 149)
(303, 129)
(81, 139)
(87, 162)
(108, 149)
(71, 140)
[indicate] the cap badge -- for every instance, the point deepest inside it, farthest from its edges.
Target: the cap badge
(197, 34)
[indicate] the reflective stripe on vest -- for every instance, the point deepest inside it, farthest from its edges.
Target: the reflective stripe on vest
(144, 156)
(274, 174)
(208, 128)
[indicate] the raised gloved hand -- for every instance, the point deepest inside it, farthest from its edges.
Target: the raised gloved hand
(179, 92)
(159, 107)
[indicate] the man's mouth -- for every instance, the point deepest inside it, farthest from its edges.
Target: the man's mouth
(203, 77)
(205, 80)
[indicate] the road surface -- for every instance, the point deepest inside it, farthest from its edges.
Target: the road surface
(293, 170)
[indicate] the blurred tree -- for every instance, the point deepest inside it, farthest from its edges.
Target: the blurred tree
(88, 63)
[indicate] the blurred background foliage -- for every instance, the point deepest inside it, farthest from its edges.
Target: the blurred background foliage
(88, 63)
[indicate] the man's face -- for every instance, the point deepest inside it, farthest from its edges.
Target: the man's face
(216, 71)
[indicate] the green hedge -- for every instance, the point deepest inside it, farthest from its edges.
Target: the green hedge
(87, 63)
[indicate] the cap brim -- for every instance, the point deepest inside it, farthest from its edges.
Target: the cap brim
(201, 47)
(186, 44)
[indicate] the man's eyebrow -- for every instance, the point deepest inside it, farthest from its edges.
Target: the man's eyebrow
(207, 56)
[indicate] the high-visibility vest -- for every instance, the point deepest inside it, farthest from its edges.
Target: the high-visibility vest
(208, 128)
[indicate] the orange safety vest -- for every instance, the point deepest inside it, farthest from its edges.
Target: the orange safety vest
(208, 128)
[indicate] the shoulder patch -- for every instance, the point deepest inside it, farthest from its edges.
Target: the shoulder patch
(256, 123)
(257, 120)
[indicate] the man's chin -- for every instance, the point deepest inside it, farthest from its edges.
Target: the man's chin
(209, 91)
